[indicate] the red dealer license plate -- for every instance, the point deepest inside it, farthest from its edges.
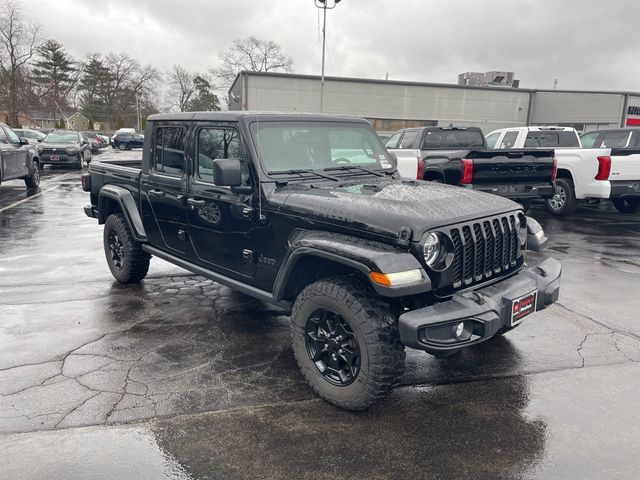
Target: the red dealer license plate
(523, 306)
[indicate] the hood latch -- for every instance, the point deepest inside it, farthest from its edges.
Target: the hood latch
(404, 237)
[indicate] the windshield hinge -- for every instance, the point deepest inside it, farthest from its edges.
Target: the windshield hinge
(404, 237)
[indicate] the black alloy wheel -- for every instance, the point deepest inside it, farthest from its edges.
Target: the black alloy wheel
(332, 347)
(116, 249)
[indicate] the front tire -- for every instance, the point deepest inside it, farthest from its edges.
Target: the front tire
(627, 205)
(346, 342)
(126, 259)
(122, 146)
(564, 200)
(33, 180)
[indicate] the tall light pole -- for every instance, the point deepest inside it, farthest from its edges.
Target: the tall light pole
(138, 111)
(324, 5)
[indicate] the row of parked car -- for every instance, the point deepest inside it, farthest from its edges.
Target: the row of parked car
(554, 164)
(25, 152)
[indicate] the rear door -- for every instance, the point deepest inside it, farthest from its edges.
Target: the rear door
(222, 224)
(165, 188)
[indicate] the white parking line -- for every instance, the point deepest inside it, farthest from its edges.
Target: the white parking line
(26, 199)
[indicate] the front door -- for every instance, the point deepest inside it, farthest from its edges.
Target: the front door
(13, 155)
(165, 190)
(221, 223)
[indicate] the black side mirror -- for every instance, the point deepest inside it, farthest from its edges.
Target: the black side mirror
(40, 139)
(24, 141)
(227, 172)
(536, 238)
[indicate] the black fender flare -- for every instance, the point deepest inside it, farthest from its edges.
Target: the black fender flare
(357, 253)
(127, 205)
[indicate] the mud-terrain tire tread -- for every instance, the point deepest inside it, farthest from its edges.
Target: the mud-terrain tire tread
(627, 206)
(378, 327)
(136, 260)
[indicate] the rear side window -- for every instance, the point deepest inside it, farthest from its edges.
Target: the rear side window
(409, 139)
(551, 139)
(616, 139)
(168, 154)
(589, 139)
(509, 140)
(393, 141)
(492, 139)
(3, 136)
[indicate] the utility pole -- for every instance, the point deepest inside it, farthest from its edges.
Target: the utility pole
(324, 5)
(138, 112)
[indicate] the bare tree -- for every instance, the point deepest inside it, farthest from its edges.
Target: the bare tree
(112, 85)
(251, 54)
(19, 42)
(181, 87)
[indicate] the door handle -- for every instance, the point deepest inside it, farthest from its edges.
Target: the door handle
(156, 193)
(195, 203)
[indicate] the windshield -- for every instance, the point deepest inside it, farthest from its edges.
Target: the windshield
(61, 138)
(453, 139)
(318, 145)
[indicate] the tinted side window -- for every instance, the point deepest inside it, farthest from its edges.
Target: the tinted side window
(616, 139)
(13, 138)
(216, 143)
(409, 139)
(3, 136)
(509, 140)
(393, 141)
(169, 150)
(492, 139)
(589, 139)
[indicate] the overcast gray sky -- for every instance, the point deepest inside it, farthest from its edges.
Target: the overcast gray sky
(585, 44)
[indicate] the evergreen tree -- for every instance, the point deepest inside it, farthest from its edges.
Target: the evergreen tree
(54, 74)
(205, 99)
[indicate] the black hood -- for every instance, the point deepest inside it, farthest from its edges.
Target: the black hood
(384, 206)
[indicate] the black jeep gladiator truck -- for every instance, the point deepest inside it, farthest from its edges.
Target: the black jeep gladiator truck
(307, 212)
(459, 156)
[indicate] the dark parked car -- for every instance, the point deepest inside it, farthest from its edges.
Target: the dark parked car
(33, 136)
(18, 159)
(127, 141)
(308, 213)
(65, 147)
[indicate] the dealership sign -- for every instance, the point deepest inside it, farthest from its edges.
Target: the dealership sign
(633, 112)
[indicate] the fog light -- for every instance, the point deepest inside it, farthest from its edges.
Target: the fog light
(459, 329)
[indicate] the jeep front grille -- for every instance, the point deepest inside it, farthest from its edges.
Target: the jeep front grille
(483, 249)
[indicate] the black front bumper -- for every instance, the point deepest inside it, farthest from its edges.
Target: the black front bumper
(625, 189)
(63, 159)
(484, 311)
(517, 191)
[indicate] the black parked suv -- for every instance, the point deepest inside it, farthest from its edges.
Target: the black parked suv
(127, 141)
(308, 213)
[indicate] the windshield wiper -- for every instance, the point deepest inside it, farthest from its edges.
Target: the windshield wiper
(353, 167)
(300, 171)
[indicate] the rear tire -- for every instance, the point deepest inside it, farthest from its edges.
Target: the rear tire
(564, 200)
(627, 205)
(364, 340)
(33, 180)
(126, 259)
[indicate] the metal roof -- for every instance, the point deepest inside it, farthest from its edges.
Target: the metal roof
(423, 84)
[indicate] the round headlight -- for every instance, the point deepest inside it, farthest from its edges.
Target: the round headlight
(431, 249)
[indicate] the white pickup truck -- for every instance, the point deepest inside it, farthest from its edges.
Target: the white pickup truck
(583, 173)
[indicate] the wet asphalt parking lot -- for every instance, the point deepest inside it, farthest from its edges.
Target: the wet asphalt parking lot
(182, 378)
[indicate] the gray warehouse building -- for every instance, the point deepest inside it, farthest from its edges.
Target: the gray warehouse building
(390, 105)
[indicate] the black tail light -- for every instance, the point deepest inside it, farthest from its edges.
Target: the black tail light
(86, 182)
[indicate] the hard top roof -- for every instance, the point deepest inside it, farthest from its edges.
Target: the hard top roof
(250, 116)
